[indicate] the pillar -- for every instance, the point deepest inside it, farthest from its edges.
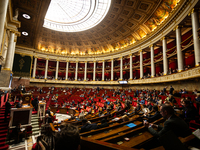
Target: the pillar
(67, 70)
(94, 71)
(3, 11)
(13, 54)
(121, 68)
(152, 61)
(165, 61)
(103, 69)
(179, 50)
(57, 66)
(141, 65)
(112, 64)
(34, 67)
(46, 69)
(10, 51)
(85, 73)
(76, 73)
(195, 27)
(131, 67)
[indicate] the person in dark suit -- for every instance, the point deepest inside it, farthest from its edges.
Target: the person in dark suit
(48, 119)
(189, 111)
(7, 110)
(87, 126)
(149, 106)
(48, 111)
(173, 123)
(19, 104)
(171, 90)
(35, 103)
(156, 116)
(103, 123)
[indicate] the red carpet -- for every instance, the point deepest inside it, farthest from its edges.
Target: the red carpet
(3, 130)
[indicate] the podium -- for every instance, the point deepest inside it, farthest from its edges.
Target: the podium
(41, 109)
(26, 98)
(22, 115)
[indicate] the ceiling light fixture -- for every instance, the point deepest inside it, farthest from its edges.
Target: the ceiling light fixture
(26, 16)
(25, 33)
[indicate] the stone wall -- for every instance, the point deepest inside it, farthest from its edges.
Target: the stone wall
(17, 81)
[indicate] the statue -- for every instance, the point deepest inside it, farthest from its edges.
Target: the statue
(16, 14)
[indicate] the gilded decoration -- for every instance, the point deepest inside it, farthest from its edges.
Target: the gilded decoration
(87, 44)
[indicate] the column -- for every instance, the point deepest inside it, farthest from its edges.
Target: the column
(34, 67)
(67, 69)
(103, 69)
(3, 11)
(57, 66)
(13, 54)
(46, 69)
(141, 65)
(121, 68)
(131, 67)
(10, 51)
(76, 73)
(179, 50)
(152, 61)
(195, 27)
(85, 73)
(94, 71)
(165, 63)
(112, 64)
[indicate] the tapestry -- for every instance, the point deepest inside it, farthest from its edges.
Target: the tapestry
(22, 65)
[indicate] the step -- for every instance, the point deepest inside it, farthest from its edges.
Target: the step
(35, 126)
(4, 131)
(5, 147)
(2, 135)
(35, 133)
(2, 143)
(35, 122)
(3, 139)
(3, 127)
(3, 124)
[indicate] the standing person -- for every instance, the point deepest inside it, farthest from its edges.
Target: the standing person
(171, 90)
(35, 103)
(7, 110)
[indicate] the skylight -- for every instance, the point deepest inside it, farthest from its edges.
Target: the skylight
(75, 15)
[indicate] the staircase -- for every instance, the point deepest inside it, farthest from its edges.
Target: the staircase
(35, 124)
(3, 130)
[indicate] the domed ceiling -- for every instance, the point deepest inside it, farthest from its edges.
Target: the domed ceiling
(126, 22)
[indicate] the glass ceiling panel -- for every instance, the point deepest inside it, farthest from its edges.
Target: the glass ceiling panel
(82, 14)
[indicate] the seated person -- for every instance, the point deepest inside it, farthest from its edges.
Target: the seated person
(103, 123)
(18, 132)
(173, 123)
(142, 101)
(48, 119)
(156, 115)
(145, 110)
(189, 111)
(19, 104)
(125, 118)
(68, 138)
(170, 99)
(87, 126)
